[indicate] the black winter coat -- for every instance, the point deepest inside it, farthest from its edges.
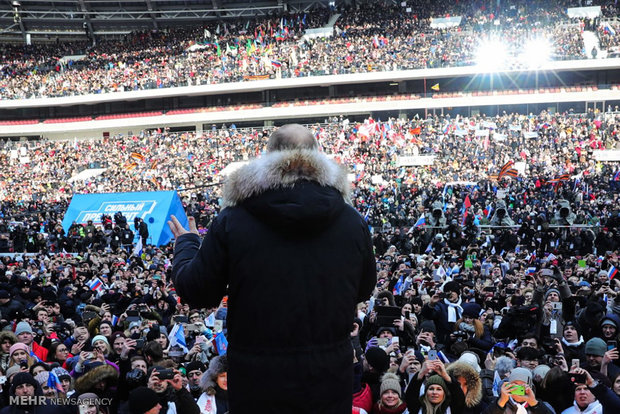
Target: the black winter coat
(296, 259)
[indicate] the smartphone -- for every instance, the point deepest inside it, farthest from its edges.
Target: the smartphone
(490, 289)
(517, 390)
(199, 339)
(140, 343)
(382, 342)
(577, 378)
(611, 345)
(181, 319)
(547, 272)
(165, 374)
(556, 305)
(407, 314)
(432, 354)
(395, 340)
(574, 363)
(511, 291)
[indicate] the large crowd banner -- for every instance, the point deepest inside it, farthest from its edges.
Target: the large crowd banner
(153, 207)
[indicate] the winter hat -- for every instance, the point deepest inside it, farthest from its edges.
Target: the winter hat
(436, 380)
(452, 287)
(195, 366)
(428, 326)
(23, 327)
(99, 338)
(610, 320)
(142, 399)
(521, 374)
(23, 378)
(386, 328)
(12, 371)
(540, 372)
(17, 346)
(4, 294)
(390, 381)
(552, 290)
(573, 325)
(471, 359)
(596, 346)
(134, 324)
(42, 377)
(61, 373)
(471, 310)
(378, 359)
(88, 398)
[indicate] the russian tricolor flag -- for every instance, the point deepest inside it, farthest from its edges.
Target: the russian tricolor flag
(421, 221)
(531, 270)
(95, 284)
(613, 272)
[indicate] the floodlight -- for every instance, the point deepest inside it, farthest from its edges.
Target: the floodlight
(491, 55)
(536, 53)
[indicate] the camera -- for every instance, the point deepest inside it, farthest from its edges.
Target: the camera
(461, 336)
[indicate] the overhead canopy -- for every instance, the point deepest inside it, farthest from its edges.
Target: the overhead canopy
(154, 208)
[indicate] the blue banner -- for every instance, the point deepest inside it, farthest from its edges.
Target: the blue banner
(154, 208)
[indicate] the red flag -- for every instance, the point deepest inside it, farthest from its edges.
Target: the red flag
(467, 203)
(416, 131)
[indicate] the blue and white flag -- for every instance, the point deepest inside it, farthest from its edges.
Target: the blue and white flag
(421, 221)
(221, 343)
(177, 337)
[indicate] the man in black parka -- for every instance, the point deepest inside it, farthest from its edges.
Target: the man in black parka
(294, 258)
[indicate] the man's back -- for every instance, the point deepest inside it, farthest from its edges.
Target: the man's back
(297, 259)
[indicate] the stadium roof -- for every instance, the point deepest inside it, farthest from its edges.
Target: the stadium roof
(78, 17)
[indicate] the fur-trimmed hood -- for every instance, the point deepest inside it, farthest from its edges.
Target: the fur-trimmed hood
(282, 169)
(472, 379)
(8, 335)
(217, 366)
(88, 381)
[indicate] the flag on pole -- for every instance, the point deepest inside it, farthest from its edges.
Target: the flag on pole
(435, 87)
(505, 169)
(613, 272)
(95, 285)
(137, 250)
(421, 221)
(176, 337)
(221, 343)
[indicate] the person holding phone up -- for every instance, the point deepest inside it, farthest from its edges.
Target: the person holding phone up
(517, 396)
(442, 394)
(590, 395)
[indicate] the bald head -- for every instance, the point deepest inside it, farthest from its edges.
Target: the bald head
(291, 137)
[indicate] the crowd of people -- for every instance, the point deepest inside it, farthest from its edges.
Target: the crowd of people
(369, 37)
(493, 283)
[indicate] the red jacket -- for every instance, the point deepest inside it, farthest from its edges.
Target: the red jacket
(363, 398)
(39, 351)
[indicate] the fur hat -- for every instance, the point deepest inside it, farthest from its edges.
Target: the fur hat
(452, 287)
(390, 381)
(472, 379)
(217, 366)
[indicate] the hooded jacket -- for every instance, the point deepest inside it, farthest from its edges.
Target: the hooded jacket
(296, 259)
(472, 402)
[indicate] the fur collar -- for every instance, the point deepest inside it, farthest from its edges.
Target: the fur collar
(472, 379)
(284, 169)
(87, 382)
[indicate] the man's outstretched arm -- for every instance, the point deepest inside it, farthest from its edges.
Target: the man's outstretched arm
(199, 272)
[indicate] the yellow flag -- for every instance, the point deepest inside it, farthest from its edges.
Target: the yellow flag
(435, 87)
